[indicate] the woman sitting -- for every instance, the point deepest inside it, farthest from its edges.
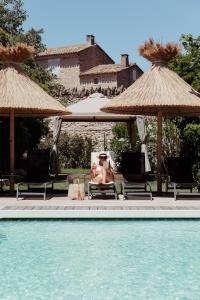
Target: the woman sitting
(102, 173)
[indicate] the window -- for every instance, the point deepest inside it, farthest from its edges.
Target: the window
(96, 81)
(54, 65)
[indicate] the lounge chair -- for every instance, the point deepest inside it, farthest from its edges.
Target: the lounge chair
(134, 177)
(38, 177)
(4, 182)
(180, 177)
(107, 188)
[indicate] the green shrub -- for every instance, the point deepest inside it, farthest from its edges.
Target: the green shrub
(74, 150)
(191, 146)
(121, 142)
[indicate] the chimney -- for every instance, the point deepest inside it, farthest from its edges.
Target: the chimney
(90, 39)
(124, 60)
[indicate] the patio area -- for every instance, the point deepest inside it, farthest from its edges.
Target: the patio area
(62, 207)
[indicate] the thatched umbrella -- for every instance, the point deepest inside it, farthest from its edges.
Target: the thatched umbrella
(19, 95)
(158, 92)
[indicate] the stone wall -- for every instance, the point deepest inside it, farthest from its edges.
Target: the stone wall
(101, 80)
(69, 72)
(98, 131)
(125, 78)
(93, 56)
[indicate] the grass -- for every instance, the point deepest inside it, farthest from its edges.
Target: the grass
(63, 184)
(75, 171)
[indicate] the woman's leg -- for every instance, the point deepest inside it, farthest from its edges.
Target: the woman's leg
(103, 175)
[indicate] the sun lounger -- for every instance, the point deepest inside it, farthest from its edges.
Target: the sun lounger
(181, 177)
(38, 178)
(134, 177)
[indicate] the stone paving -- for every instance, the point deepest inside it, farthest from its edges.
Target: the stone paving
(63, 203)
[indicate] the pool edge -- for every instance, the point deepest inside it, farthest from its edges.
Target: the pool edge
(99, 214)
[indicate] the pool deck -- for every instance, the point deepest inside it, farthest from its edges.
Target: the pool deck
(61, 207)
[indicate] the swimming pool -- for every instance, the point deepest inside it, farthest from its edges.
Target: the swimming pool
(93, 260)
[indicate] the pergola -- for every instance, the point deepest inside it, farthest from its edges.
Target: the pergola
(89, 110)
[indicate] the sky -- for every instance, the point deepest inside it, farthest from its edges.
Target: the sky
(119, 26)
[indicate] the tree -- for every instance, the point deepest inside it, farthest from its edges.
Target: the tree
(28, 130)
(187, 65)
(12, 16)
(121, 142)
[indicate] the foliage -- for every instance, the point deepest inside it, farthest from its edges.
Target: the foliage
(187, 65)
(11, 32)
(120, 142)
(12, 16)
(191, 146)
(170, 141)
(74, 150)
(171, 138)
(24, 138)
(28, 130)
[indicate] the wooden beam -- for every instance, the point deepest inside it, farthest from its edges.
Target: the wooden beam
(132, 132)
(159, 153)
(12, 149)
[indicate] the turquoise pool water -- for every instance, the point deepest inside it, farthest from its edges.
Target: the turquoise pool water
(99, 260)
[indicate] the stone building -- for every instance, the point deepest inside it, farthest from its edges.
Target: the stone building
(88, 65)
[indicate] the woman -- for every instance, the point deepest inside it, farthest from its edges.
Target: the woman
(102, 173)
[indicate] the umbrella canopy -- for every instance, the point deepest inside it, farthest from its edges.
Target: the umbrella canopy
(19, 95)
(89, 109)
(24, 96)
(18, 92)
(160, 91)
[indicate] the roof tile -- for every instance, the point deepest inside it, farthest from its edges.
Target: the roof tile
(107, 68)
(64, 50)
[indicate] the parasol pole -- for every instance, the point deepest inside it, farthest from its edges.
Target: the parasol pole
(132, 132)
(12, 149)
(159, 152)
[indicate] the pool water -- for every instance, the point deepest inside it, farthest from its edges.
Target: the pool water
(99, 260)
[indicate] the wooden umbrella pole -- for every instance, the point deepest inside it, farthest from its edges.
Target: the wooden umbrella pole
(12, 149)
(159, 153)
(132, 132)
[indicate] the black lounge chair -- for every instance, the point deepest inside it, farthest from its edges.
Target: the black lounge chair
(38, 178)
(134, 177)
(180, 176)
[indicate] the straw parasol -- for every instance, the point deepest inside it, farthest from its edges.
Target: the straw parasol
(158, 92)
(19, 95)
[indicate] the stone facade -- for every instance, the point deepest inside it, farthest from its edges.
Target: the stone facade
(88, 65)
(84, 67)
(105, 81)
(69, 72)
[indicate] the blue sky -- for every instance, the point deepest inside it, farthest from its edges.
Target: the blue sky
(118, 26)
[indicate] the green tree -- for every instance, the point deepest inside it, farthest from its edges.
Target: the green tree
(11, 32)
(12, 16)
(187, 65)
(120, 142)
(28, 130)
